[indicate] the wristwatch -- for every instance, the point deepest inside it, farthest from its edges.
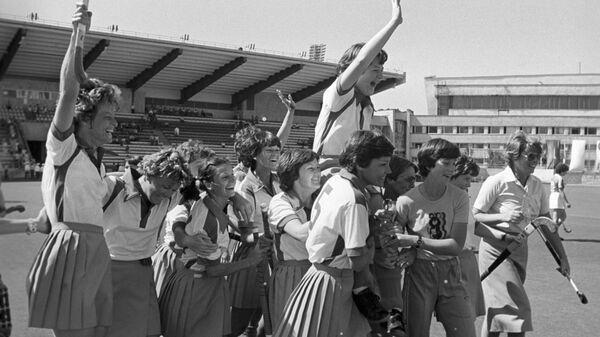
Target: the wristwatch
(419, 242)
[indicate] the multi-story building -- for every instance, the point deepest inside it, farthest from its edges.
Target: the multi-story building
(478, 114)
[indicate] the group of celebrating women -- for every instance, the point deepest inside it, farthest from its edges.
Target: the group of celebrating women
(331, 242)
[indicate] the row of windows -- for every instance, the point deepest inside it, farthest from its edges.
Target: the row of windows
(498, 146)
(538, 102)
(541, 130)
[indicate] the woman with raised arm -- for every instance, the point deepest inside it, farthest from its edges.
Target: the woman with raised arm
(507, 202)
(195, 299)
(347, 105)
(299, 177)
(69, 284)
(259, 151)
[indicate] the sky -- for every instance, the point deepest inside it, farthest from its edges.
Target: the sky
(444, 38)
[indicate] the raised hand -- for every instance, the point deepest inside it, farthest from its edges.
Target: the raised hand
(396, 12)
(82, 16)
(287, 101)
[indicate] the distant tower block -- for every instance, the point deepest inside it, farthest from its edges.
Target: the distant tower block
(317, 52)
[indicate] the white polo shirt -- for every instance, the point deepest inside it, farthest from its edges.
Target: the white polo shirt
(283, 209)
(339, 221)
(503, 192)
(131, 230)
(341, 115)
(196, 223)
(73, 186)
(253, 190)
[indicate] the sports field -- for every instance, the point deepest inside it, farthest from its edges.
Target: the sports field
(556, 309)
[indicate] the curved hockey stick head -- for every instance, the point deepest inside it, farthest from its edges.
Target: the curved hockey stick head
(545, 221)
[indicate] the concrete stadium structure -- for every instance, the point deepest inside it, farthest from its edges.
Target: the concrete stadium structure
(478, 114)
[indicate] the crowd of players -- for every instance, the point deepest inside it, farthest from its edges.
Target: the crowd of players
(331, 242)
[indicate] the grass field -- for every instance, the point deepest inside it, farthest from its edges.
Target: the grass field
(556, 309)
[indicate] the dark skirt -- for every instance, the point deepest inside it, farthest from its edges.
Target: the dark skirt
(242, 285)
(70, 284)
(196, 307)
(285, 278)
(165, 262)
(135, 303)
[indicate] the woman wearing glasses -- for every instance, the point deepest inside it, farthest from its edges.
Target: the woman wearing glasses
(507, 202)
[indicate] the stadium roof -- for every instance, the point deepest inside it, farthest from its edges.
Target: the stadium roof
(34, 50)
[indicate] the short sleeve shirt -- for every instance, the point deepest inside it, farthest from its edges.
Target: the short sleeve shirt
(433, 219)
(73, 185)
(503, 192)
(131, 230)
(257, 194)
(556, 183)
(283, 209)
(196, 223)
(339, 221)
(341, 115)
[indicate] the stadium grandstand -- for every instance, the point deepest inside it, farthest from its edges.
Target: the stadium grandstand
(205, 91)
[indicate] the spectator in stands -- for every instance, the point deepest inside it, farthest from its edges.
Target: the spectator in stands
(27, 168)
(4, 145)
(346, 104)
(176, 131)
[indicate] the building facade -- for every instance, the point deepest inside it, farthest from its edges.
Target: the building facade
(479, 114)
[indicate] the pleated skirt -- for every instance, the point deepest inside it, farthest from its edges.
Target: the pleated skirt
(196, 307)
(135, 310)
(286, 276)
(242, 285)
(555, 201)
(322, 306)
(469, 275)
(165, 262)
(70, 284)
(507, 305)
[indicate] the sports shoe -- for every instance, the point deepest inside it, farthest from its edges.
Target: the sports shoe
(567, 229)
(369, 305)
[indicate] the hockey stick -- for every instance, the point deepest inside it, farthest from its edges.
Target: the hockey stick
(554, 253)
(80, 37)
(262, 275)
(533, 225)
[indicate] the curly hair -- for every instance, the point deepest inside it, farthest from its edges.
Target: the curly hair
(362, 147)
(251, 142)
(288, 166)
(166, 163)
(351, 53)
(434, 150)
(465, 165)
(190, 150)
(91, 94)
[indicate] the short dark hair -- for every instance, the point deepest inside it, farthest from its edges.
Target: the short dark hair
(251, 142)
(209, 161)
(434, 150)
(398, 165)
(520, 143)
(289, 164)
(351, 53)
(465, 165)
(561, 168)
(362, 147)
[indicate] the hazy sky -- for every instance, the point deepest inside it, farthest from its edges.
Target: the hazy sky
(438, 37)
